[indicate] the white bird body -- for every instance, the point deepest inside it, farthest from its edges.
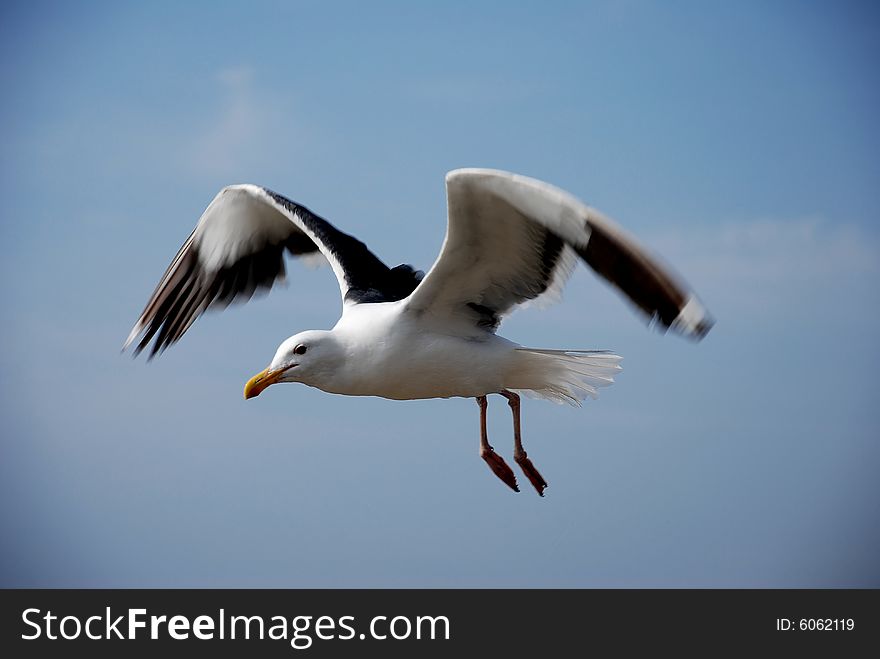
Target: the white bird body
(392, 355)
(382, 350)
(404, 335)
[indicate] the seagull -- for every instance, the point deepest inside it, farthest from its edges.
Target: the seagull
(405, 335)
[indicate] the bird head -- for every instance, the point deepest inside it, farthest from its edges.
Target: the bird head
(301, 358)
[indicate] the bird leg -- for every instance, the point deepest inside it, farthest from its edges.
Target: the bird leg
(496, 462)
(519, 453)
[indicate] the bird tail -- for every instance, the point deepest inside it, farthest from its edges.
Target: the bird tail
(563, 376)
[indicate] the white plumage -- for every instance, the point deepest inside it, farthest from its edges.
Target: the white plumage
(510, 239)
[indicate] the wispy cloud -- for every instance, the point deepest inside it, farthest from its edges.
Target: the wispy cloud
(234, 126)
(762, 268)
(788, 250)
(768, 265)
(240, 129)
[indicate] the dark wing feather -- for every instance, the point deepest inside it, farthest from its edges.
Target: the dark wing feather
(510, 239)
(657, 294)
(237, 249)
(366, 277)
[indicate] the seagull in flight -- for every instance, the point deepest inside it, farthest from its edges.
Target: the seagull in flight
(408, 335)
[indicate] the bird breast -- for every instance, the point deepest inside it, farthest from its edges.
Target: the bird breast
(394, 355)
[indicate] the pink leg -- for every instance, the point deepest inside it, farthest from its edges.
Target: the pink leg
(496, 462)
(519, 453)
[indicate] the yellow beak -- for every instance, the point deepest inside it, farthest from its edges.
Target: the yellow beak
(260, 381)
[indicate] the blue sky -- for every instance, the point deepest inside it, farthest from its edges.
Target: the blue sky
(738, 140)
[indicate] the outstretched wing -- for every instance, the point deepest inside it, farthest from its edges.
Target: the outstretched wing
(238, 248)
(511, 239)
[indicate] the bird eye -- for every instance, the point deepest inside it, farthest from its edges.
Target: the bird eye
(300, 349)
